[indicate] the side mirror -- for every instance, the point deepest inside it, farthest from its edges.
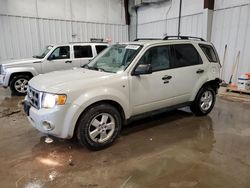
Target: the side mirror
(142, 69)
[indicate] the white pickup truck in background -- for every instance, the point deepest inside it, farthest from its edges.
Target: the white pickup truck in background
(16, 73)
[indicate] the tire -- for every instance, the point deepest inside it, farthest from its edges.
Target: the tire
(204, 101)
(19, 84)
(100, 120)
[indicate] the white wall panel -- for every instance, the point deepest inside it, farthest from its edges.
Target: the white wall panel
(190, 25)
(100, 11)
(223, 4)
(22, 37)
(231, 27)
(26, 26)
(157, 20)
(169, 10)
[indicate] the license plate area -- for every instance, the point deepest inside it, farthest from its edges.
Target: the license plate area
(1, 79)
(26, 108)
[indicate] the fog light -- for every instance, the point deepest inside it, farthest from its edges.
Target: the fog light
(48, 126)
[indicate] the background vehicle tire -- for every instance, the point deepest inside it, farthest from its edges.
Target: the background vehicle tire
(204, 101)
(99, 126)
(19, 85)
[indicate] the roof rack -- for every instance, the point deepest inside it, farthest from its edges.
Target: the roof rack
(172, 37)
(86, 42)
(183, 38)
(138, 39)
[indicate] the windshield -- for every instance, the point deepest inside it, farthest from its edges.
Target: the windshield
(115, 58)
(44, 52)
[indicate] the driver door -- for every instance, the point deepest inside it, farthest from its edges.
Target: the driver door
(59, 59)
(153, 91)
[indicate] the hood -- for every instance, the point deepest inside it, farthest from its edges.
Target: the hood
(19, 62)
(61, 80)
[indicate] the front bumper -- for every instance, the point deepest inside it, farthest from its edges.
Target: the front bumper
(2, 79)
(55, 116)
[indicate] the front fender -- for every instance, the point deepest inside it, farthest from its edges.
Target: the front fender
(88, 98)
(10, 71)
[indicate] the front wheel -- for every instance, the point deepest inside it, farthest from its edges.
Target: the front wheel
(99, 126)
(204, 101)
(19, 85)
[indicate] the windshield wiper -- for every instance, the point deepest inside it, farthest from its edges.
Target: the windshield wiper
(85, 66)
(37, 56)
(95, 68)
(88, 67)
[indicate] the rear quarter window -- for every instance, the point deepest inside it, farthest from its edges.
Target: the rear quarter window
(209, 52)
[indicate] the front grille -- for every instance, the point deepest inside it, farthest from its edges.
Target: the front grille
(34, 97)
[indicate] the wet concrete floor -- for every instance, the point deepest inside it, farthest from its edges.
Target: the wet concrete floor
(175, 150)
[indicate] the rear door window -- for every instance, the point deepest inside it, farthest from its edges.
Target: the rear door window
(100, 48)
(185, 55)
(83, 51)
(209, 52)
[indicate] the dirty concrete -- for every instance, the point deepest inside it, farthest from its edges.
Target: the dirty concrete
(175, 150)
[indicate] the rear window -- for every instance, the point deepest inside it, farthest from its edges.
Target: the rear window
(83, 51)
(100, 48)
(209, 52)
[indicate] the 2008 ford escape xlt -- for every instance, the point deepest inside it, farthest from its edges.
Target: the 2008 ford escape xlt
(124, 81)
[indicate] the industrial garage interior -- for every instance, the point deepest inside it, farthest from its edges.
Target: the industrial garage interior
(92, 95)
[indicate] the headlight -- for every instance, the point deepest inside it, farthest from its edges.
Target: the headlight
(51, 100)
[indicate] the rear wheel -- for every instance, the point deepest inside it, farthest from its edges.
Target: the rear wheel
(99, 126)
(19, 85)
(204, 101)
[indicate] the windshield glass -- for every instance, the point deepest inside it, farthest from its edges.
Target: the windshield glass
(44, 52)
(115, 58)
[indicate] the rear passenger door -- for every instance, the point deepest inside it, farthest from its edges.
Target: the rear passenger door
(82, 55)
(187, 71)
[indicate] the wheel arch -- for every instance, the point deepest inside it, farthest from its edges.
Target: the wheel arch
(106, 101)
(214, 84)
(26, 73)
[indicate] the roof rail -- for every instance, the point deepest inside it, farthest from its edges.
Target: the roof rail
(86, 42)
(138, 39)
(183, 38)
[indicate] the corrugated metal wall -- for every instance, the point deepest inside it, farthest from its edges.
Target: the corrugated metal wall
(231, 27)
(157, 20)
(25, 36)
(190, 25)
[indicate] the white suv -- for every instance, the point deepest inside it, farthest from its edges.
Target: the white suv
(123, 82)
(16, 73)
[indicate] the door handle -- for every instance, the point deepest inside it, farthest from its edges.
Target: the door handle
(199, 71)
(166, 77)
(68, 61)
